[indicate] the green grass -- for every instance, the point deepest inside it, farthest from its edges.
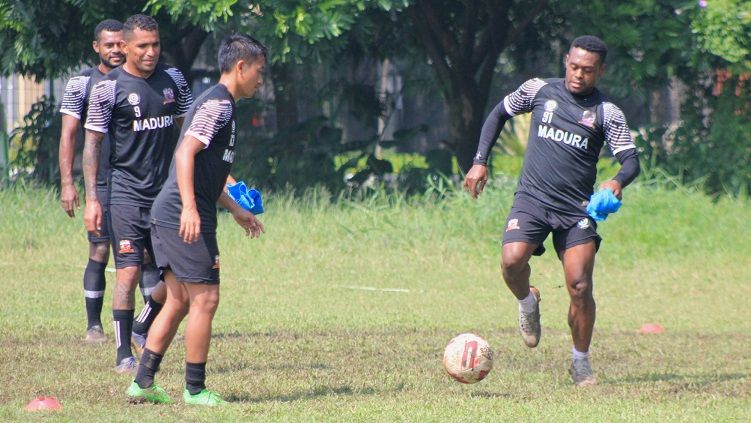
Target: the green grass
(301, 335)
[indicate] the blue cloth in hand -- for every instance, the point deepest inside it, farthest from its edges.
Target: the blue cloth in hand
(602, 203)
(249, 199)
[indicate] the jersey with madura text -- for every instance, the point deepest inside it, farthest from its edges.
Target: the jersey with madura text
(211, 120)
(76, 102)
(139, 115)
(566, 135)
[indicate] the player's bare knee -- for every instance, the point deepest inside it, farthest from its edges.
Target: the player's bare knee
(512, 263)
(206, 303)
(580, 289)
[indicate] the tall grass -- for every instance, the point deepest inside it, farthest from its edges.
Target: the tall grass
(341, 310)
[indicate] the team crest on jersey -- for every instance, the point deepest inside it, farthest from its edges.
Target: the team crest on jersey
(126, 247)
(169, 96)
(133, 99)
(588, 118)
(216, 263)
(551, 105)
(583, 224)
(512, 224)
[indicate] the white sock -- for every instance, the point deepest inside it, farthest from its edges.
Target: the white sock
(578, 355)
(528, 304)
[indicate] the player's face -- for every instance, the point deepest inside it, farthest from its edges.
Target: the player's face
(142, 49)
(250, 76)
(583, 70)
(107, 45)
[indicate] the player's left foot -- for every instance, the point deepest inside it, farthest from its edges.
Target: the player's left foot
(204, 397)
(581, 372)
(127, 365)
(95, 335)
(154, 394)
(137, 342)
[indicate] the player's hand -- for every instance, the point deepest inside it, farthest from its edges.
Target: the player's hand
(253, 227)
(614, 186)
(92, 217)
(476, 179)
(69, 199)
(190, 225)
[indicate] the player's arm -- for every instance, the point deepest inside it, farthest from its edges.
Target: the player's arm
(71, 108)
(253, 227)
(185, 165)
(477, 176)
(92, 148)
(101, 104)
(618, 137)
(68, 195)
(518, 102)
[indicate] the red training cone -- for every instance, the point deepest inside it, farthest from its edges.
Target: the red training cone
(652, 328)
(43, 403)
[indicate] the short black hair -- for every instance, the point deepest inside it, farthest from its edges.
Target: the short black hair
(593, 44)
(239, 47)
(142, 22)
(109, 25)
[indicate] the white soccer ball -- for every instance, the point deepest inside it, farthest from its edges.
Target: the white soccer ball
(468, 358)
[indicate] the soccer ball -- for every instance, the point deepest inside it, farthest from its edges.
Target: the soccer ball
(468, 358)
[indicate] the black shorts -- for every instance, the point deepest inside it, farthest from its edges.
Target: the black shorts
(196, 263)
(130, 230)
(103, 195)
(531, 222)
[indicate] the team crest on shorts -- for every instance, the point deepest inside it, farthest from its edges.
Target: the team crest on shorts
(126, 247)
(133, 99)
(583, 224)
(217, 264)
(169, 96)
(512, 224)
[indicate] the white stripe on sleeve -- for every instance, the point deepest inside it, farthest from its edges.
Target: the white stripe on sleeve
(520, 101)
(210, 117)
(615, 127)
(101, 103)
(75, 96)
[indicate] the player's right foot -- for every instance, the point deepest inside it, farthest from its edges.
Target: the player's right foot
(138, 342)
(95, 335)
(127, 366)
(154, 394)
(204, 397)
(581, 372)
(529, 323)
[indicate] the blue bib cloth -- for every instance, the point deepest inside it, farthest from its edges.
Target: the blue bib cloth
(249, 199)
(602, 203)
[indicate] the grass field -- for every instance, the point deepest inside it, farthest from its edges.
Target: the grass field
(341, 312)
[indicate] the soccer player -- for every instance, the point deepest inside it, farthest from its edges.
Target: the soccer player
(107, 36)
(138, 105)
(571, 121)
(184, 223)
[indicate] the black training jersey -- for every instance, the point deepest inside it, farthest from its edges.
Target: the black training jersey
(139, 116)
(76, 103)
(566, 135)
(211, 120)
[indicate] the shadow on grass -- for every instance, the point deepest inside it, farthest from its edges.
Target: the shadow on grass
(699, 379)
(319, 392)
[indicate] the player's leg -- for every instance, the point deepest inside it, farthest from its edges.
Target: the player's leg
(525, 232)
(94, 283)
(204, 300)
(154, 292)
(577, 248)
(130, 232)
(160, 336)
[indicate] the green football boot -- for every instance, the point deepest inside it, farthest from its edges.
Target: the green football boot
(153, 394)
(204, 397)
